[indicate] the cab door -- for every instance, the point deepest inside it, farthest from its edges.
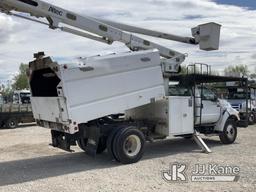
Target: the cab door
(16, 98)
(211, 110)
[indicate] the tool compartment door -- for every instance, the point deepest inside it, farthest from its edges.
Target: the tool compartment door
(181, 115)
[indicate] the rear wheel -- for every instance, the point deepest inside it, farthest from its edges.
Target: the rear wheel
(251, 118)
(12, 123)
(110, 142)
(128, 145)
(229, 134)
(82, 143)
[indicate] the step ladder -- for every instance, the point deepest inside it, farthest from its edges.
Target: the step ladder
(199, 70)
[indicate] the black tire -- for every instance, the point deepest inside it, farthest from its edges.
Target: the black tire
(110, 142)
(229, 134)
(12, 123)
(251, 118)
(129, 145)
(82, 143)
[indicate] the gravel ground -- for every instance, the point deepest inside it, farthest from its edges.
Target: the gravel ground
(28, 163)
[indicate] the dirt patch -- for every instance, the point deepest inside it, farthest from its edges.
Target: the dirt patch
(28, 163)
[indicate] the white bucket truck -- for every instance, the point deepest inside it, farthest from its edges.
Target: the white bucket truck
(77, 101)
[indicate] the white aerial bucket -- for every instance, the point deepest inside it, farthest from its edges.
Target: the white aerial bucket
(209, 36)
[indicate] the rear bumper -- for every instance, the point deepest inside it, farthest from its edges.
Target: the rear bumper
(65, 128)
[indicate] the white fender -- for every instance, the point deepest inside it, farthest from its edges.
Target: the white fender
(226, 114)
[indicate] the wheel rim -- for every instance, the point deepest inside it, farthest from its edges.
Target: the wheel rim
(230, 132)
(12, 124)
(132, 145)
(251, 118)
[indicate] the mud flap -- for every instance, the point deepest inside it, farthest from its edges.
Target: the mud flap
(62, 140)
(93, 134)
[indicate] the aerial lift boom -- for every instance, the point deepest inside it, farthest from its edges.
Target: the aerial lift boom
(206, 35)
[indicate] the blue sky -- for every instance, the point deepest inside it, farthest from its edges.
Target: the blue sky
(19, 39)
(251, 4)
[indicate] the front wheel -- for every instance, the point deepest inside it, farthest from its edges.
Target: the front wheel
(229, 134)
(251, 118)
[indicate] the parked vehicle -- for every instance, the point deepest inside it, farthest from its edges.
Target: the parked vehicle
(19, 111)
(242, 96)
(78, 102)
(237, 98)
(150, 112)
(21, 97)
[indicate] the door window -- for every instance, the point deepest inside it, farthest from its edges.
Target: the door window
(208, 94)
(179, 91)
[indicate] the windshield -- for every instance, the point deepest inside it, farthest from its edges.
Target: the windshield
(25, 94)
(239, 94)
(25, 97)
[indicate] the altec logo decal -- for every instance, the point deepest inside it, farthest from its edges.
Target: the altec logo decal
(55, 11)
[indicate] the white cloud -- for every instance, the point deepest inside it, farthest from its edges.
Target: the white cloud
(20, 39)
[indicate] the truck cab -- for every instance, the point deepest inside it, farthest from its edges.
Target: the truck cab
(209, 110)
(237, 98)
(21, 97)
